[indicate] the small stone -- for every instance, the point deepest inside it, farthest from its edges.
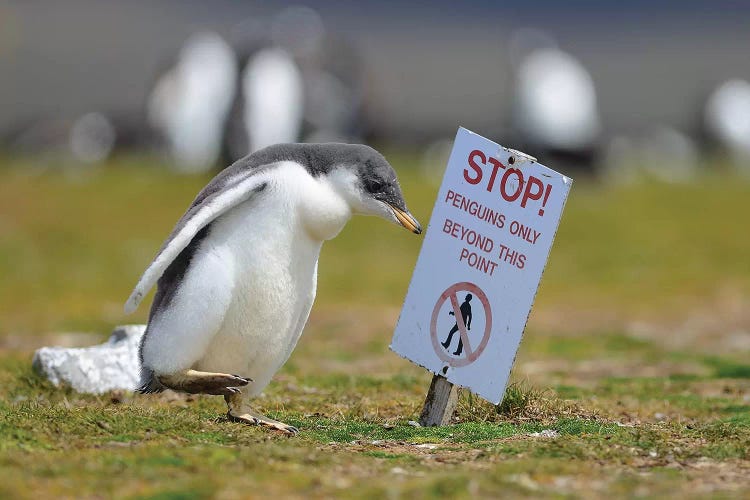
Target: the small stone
(117, 396)
(113, 365)
(121, 444)
(546, 433)
(414, 423)
(426, 446)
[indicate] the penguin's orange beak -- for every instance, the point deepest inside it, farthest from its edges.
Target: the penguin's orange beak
(407, 220)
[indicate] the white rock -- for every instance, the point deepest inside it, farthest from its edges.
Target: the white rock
(97, 369)
(546, 433)
(426, 446)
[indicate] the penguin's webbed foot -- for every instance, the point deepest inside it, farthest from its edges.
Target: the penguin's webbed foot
(262, 420)
(240, 412)
(196, 382)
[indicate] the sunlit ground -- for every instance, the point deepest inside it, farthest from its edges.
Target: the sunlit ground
(635, 354)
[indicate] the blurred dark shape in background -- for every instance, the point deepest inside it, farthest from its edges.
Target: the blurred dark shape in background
(591, 85)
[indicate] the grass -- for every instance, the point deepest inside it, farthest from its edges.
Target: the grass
(632, 379)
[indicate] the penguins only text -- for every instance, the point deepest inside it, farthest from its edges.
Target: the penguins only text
(481, 251)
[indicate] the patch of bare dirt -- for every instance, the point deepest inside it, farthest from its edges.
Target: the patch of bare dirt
(716, 325)
(587, 373)
(26, 343)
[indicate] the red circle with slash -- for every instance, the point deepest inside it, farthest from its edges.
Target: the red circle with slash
(470, 354)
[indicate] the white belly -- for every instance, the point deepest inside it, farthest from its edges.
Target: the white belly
(275, 281)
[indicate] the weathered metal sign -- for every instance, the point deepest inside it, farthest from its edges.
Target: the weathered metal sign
(480, 265)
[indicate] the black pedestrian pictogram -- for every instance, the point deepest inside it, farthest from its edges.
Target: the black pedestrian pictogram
(466, 317)
(467, 350)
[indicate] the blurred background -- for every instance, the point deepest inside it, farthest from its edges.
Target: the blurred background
(113, 114)
(586, 83)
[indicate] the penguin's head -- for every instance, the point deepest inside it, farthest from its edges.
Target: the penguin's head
(372, 188)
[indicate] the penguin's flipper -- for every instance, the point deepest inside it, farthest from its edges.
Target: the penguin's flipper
(192, 298)
(225, 191)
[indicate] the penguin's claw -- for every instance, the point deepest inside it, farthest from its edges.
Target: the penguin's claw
(292, 430)
(287, 429)
(231, 385)
(243, 419)
(239, 380)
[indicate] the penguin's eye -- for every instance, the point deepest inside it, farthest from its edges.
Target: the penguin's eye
(375, 186)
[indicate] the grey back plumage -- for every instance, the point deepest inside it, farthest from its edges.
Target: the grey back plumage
(240, 181)
(317, 159)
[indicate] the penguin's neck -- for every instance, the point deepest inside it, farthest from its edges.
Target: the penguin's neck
(324, 211)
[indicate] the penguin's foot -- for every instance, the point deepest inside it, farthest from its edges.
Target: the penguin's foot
(241, 412)
(255, 418)
(195, 382)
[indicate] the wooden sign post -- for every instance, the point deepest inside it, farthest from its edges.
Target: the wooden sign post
(440, 403)
(481, 261)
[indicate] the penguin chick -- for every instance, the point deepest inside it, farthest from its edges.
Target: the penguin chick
(236, 279)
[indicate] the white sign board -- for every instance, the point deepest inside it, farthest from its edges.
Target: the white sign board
(482, 257)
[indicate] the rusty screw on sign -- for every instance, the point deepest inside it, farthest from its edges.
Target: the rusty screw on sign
(515, 153)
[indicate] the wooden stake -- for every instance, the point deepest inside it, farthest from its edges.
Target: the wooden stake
(440, 403)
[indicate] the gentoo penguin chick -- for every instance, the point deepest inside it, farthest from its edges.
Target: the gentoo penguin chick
(236, 278)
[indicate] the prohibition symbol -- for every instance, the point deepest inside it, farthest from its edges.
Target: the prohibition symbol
(466, 353)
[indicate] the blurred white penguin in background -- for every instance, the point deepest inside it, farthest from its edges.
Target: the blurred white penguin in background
(727, 121)
(190, 103)
(669, 155)
(555, 108)
(273, 99)
(269, 105)
(92, 137)
(82, 141)
(297, 83)
(660, 152)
